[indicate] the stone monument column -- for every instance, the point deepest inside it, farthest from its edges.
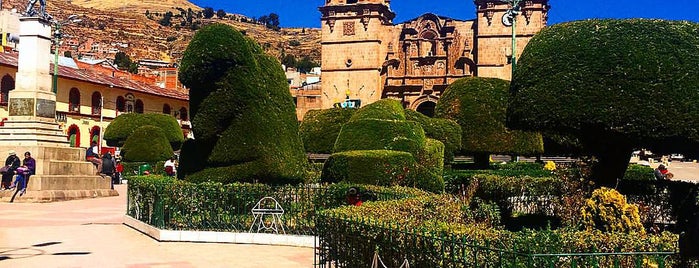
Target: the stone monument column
(61, 171)
(32, 104)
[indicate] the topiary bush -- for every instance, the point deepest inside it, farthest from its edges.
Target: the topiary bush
(378, 134)
(385, 109)
(243, 114)
(614, 84)
(382, 126)
(320, 128)
(445, 130)
(608, 211)
(376, 167)
(479, 106)
(146, 144)
(123, 125)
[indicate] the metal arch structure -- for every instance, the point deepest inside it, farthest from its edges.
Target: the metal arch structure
(267, 209)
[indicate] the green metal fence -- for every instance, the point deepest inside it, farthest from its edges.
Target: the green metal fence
(176, 205)
(356, 242)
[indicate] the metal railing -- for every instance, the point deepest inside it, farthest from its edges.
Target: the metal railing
(177, 205)
(354, 242)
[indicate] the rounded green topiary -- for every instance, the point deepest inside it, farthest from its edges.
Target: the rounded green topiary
(245, 120)
(123, 125)
(615, 84)
(146, 144)
(445, 130)
(378, 134)
(479, 106)
(320, 128)
(375, 167)
(386, 109)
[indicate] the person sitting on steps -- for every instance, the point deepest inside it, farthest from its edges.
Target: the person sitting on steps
(92, 155)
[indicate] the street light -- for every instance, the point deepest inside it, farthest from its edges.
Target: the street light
(57, 36)
(512, 13)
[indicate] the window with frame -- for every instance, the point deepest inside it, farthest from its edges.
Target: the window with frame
(120, 104)
(183, 114)
(74, 101)
(166, 109)
(96, 103)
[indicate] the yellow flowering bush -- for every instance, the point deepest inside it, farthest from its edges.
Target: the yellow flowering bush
(608, 211)
(550, 166)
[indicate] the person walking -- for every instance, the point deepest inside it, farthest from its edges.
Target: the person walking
(11, 164)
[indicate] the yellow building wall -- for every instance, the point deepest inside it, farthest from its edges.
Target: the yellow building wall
(85, 121)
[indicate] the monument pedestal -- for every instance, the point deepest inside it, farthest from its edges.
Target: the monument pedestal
(62, 173)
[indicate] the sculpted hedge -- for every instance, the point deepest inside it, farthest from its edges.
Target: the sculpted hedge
(243, 114)
(479, 106)
(123, 125)
(615, 84)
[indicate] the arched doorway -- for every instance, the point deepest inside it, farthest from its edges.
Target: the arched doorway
(74, 135)
(6, 85)
(139, 107)
(95, 135)
(426, 108)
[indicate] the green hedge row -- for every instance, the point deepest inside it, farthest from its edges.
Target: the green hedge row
(168, 203)
(437, 231)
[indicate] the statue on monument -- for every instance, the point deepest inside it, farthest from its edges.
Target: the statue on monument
(31, 11)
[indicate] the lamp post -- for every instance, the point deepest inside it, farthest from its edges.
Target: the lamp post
(512, 12)
(57, 37)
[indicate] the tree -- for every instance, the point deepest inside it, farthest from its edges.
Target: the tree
(306, 64)
(479, 106)
(221, 13)
(242, 112)
(289, 61)
(614, 84)
(208, 13)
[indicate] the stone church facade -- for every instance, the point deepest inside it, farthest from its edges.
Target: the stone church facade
(366, 57)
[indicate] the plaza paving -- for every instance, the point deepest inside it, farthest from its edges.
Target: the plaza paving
(90, 233)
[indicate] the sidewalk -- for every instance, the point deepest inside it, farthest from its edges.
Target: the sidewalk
(89, 233)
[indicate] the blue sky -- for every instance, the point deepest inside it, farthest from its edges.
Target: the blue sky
(304, 13)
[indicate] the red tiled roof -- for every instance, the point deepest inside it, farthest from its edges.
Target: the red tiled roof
(10, 59)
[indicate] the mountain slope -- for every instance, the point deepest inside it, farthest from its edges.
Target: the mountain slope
(110, 24)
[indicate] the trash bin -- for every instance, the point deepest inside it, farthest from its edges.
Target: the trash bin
(143, 168)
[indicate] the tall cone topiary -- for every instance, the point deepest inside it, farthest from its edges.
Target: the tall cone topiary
(243, 114)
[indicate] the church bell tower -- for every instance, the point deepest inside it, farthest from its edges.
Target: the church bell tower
(494, 34)
(353, 34)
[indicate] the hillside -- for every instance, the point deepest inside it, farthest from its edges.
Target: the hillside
(121, 26)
